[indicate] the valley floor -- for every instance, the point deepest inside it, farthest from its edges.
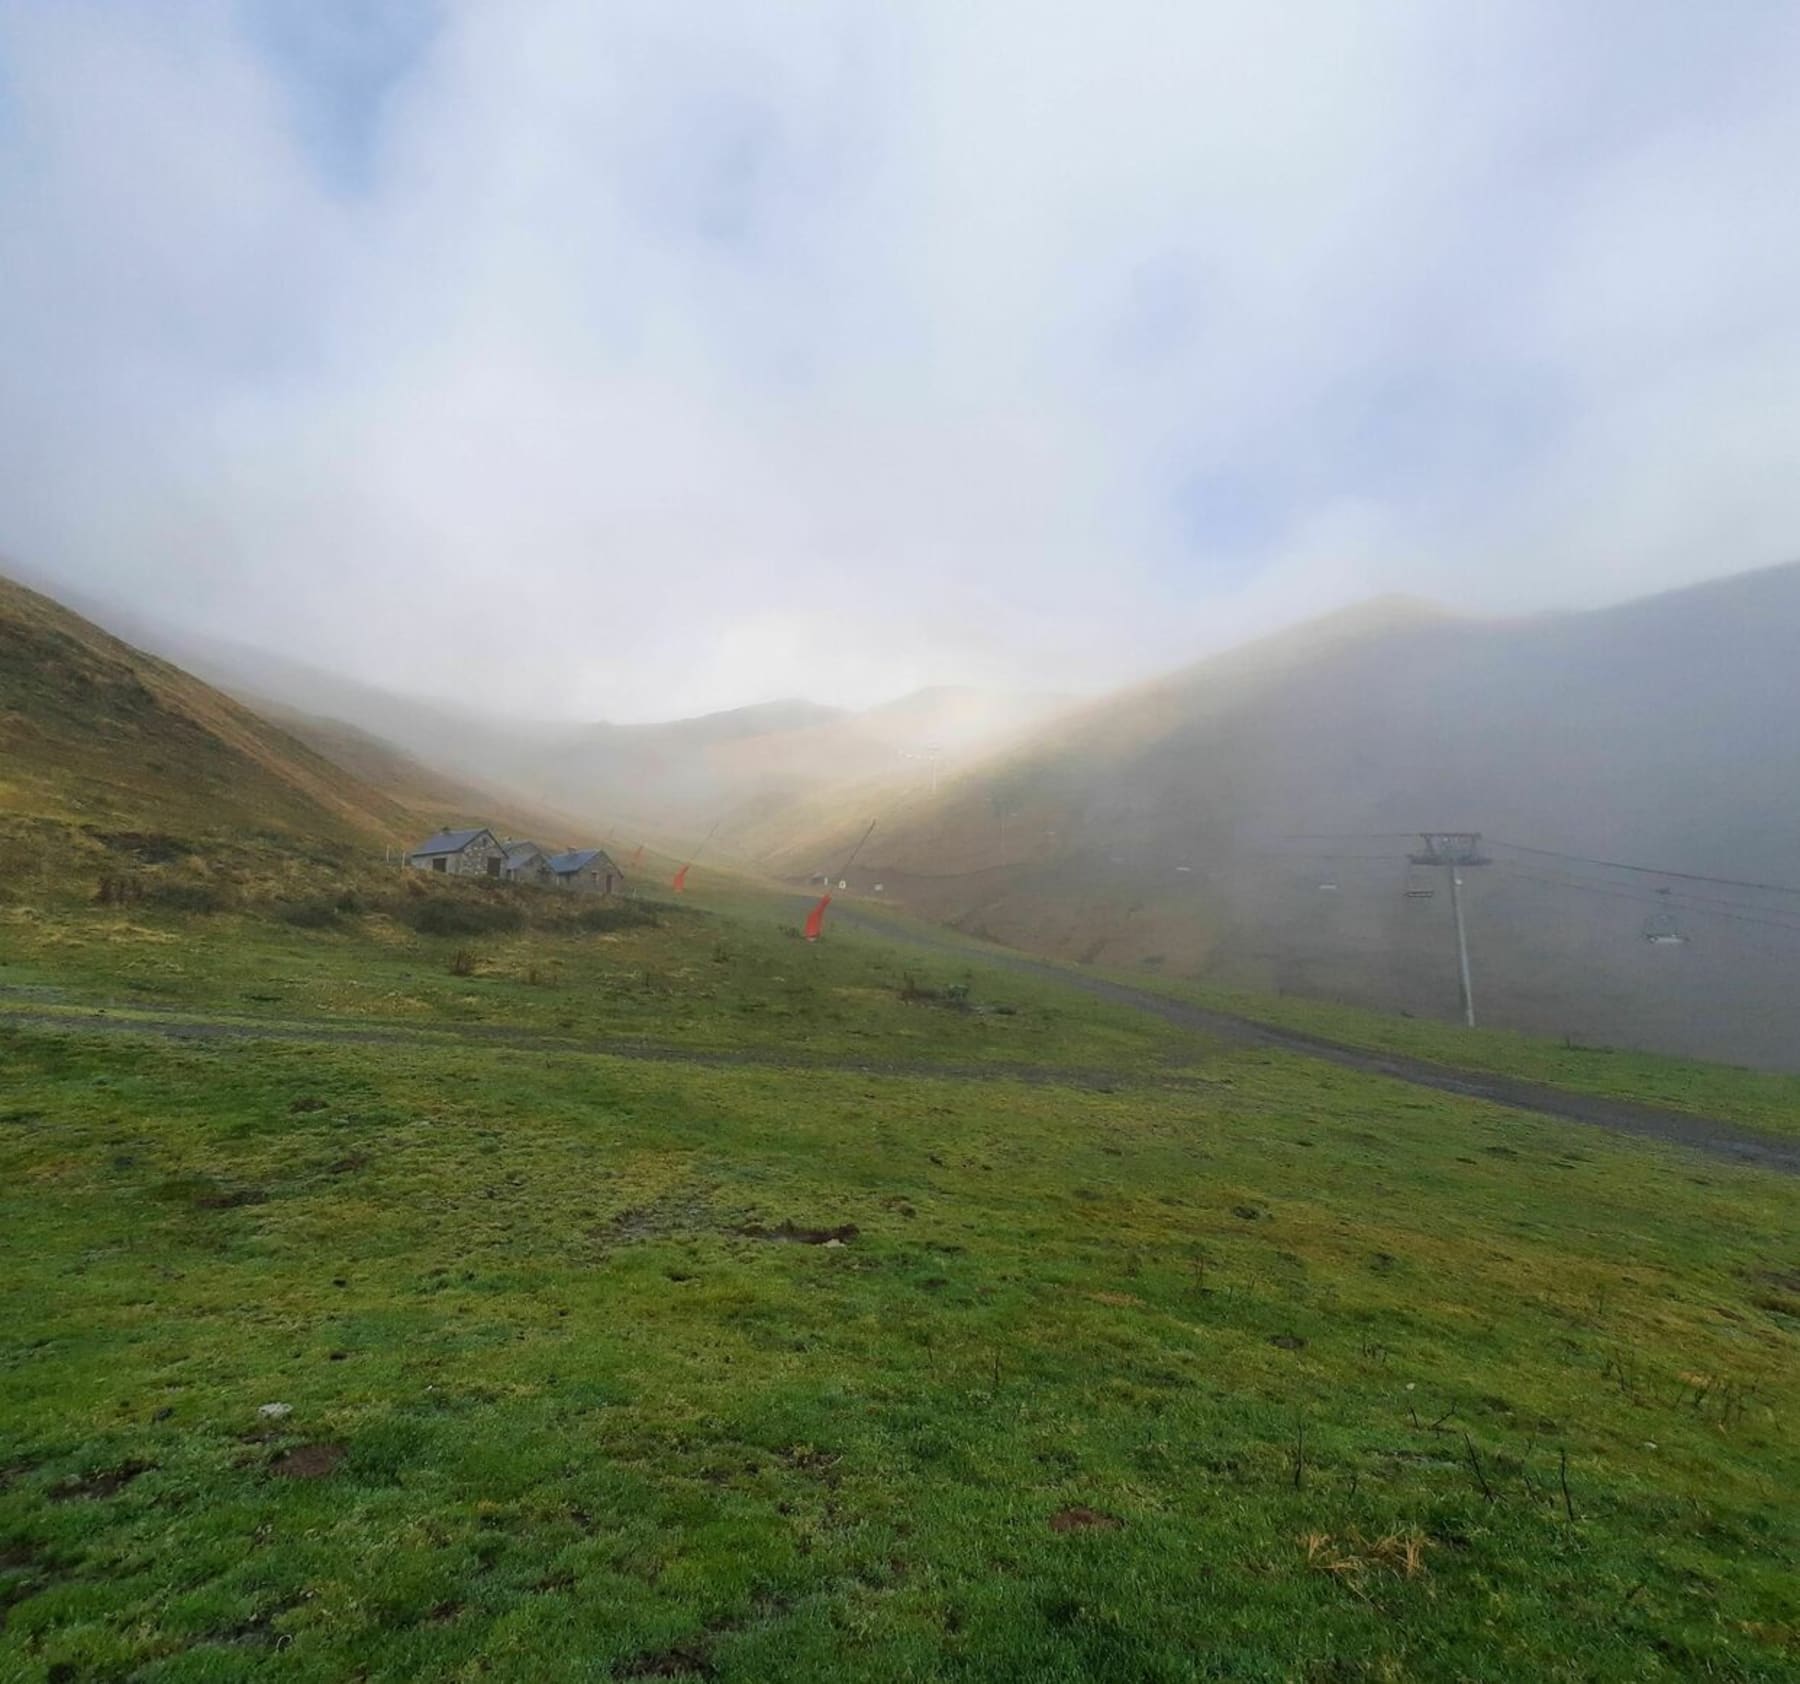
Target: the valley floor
(781, 1347)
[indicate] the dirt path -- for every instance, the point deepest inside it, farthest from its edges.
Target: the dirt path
(1703, 1134)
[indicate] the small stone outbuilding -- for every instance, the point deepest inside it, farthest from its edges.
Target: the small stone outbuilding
(587, 871)
(526, 862)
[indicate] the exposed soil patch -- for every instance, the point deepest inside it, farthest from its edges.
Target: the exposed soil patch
(229, 1198)
(201, 1192)
(310, 1103)
(685, 1660)
(1287, 1341)
(103, 1484)
(1247, 1213)
(786, 1233)
(1082, 1519)
(308, 1461)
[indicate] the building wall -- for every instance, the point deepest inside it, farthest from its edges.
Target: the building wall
(471, 862)
(534, 870)
(596, 879)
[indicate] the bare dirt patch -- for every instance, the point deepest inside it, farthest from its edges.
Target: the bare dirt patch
(103, 1484)
(308, 1461)
(1082, 1519)
(788, 1233)
(685, 1660)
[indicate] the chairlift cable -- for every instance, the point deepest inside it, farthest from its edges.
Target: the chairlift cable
(1648, 870)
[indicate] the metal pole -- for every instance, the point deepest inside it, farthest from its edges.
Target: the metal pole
(1462, 945)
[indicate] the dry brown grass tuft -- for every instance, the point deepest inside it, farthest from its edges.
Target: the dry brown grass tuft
(1354, 1559)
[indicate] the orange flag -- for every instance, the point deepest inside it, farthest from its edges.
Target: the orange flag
(680, 880)
(815, 920)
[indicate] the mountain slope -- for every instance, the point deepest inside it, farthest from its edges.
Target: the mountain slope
(434, 799)
(96, 733)
(1155, 827)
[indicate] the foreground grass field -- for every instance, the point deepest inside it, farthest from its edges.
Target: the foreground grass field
(1249, 1367)
(1279, 1376)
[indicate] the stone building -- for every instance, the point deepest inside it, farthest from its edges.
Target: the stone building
(588, 871)
(460, 853)
(526, 862)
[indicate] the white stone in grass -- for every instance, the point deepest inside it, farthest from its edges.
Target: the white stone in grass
(276, 1411)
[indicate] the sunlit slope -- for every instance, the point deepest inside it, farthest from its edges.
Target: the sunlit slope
(1156, 827)
(96, 733)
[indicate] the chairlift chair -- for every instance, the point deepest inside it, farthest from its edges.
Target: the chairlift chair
(1660, 928)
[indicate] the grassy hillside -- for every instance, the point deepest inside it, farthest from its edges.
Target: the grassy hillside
(98, 737)
(1134, 1358)
(1156, 828)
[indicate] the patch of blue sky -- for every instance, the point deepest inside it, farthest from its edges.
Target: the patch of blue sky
(1229, 522)
(338, 61)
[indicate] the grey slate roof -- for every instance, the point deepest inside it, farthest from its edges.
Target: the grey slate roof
(517, 853)
(448, 841)
(578, 859)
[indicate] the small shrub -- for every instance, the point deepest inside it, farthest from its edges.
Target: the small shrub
(446, 917)
(119, 891)
(914, 993)
(616, 915)
(315, 913)
(179, 896)
(462, 962)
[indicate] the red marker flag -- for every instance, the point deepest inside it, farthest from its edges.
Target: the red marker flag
(815, 920)
(680, 880)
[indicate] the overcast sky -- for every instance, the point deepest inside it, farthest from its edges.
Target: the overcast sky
(624, 360)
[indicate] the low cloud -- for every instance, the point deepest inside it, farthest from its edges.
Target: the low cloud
(632, 359)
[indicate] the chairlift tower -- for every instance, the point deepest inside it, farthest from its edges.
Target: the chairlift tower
(1454, 850)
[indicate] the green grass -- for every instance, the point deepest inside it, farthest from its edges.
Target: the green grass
(1250, 1368)
(588, 1425)
(1763, 1099)
(696, 978)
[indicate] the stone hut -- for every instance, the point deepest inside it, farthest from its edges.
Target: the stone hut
(526, 862)
(587, 871)
(460, 853)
